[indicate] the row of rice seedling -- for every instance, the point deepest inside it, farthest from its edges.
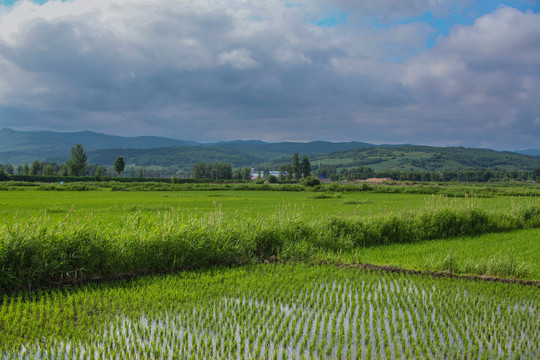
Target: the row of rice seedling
(36, 252)
(276, 312)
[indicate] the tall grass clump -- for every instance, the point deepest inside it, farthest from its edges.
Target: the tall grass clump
(36, 252)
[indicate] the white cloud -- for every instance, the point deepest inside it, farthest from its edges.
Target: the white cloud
(196, 67)
(237, 58)
(487, 73)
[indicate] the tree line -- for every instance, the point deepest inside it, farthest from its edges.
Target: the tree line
(467, 175)
(77, 165)
(222, 171)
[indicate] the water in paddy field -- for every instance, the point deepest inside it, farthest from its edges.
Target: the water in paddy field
(386, 317)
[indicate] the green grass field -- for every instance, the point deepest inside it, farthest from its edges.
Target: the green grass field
(48, 235)
(251, 204)
(514, 254)
(208, 307)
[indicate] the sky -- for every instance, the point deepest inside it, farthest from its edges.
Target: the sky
(432, 72)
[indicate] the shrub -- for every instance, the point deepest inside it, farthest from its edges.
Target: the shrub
(311, 181)
(271, 179)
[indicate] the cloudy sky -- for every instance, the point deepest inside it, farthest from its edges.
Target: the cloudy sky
(434, 72)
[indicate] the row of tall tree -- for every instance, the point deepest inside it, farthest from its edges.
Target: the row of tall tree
(202, 170)
(296, 170)
(77, 165)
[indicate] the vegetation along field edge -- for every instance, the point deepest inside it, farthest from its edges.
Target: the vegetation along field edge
(36, 252)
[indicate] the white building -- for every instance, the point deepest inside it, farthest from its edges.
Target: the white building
(255, 174)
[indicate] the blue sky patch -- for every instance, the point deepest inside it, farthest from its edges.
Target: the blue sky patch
(11, 2)
(331, 20)
(458, 16)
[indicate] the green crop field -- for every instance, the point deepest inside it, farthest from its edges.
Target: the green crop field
(218, 301)
(115, 205)
(513, 254)
(276, 312)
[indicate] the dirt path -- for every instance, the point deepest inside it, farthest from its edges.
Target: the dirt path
(387, 268)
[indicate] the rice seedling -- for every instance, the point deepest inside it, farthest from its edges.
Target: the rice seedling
(276, 311)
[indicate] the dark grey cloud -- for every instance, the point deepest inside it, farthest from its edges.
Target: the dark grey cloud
(228, 69)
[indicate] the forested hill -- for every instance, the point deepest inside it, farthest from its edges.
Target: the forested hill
(407, 157)
(238, 153)
(413, 157)
(313, 147)
(17, 147)
(180, 156)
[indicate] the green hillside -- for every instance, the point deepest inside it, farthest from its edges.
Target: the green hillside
(289, 148)
(421, 158)
(238, 153)
(180, 156)
(429, 158)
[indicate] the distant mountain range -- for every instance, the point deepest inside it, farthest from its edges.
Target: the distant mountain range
(26, 146)
(18, 147)
(532, 152)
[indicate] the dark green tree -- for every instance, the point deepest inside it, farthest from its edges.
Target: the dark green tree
(297, 171)
(8, 168)
(37, 168)
(536, 173)
(284, 171)
(119, 165)
(246, 173)
(237, 174)
(48, 170)
(201, 170)
(99, 172)
(64, 170)
(77, 164)
(222, 171)
(26, 169)
(3, 174)
(326, 171)
(305, 167)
